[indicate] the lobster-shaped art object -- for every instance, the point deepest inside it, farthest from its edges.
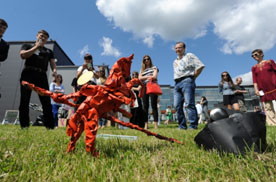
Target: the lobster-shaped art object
(102, 101)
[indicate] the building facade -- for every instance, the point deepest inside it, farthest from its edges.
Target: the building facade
(211, 93)
(10, 75)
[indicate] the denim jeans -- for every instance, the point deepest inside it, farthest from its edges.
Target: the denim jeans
(102, 121)
(184, 92)
(55, 108)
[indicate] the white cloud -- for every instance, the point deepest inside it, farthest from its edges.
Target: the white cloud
(169, 19)
(149, 41)
(243, 24)
(247, 25)
(109, 50)
(246, 78)
(84, 50)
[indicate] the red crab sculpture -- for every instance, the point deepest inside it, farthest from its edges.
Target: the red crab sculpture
(101, 101)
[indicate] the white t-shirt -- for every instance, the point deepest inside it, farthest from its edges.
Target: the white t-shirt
(93, 79)
(198, 108)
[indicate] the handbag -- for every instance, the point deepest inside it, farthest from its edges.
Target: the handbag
(153, 88)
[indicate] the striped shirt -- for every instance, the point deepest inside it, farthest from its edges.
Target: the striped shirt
(149, 72)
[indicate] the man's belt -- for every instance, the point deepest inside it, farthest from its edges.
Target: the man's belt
(182, 78)
(31, 68)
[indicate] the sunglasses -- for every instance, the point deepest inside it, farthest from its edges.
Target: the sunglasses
(146, 59)
(224, 75)
(255, 55)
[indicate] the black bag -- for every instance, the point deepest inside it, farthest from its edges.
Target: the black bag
(39, 121)
(236, 134)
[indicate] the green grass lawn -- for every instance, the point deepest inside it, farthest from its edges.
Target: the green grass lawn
(38, 154)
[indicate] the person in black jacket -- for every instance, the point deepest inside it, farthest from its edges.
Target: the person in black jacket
(4, 46)
(37, 57)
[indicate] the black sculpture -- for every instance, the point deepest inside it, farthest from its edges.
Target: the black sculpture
(233, 132)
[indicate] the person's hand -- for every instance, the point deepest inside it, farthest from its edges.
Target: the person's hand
(257, 92)
(39, 43)
(58, 91)
(54, 74)
(85, 66)
(149, 78)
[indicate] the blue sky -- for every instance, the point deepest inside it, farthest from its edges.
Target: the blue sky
(221, 33)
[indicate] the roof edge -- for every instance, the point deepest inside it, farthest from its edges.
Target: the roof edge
(48, 42)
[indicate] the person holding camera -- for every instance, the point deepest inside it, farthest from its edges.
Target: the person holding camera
(36, 57)
(264, 80)
(87, 66)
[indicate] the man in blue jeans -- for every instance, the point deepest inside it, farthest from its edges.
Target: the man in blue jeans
(186, 67)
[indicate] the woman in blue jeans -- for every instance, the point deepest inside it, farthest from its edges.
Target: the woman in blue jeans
(56, 87)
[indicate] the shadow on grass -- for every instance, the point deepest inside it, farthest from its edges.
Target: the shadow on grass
(114, 148)
(250, 153)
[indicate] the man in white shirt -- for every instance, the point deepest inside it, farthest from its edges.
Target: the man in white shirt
(187, 68)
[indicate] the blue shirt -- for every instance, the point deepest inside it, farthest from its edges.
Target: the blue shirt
(226, 89)
(55, 88)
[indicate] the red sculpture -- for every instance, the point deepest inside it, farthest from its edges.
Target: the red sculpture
(101, 101)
